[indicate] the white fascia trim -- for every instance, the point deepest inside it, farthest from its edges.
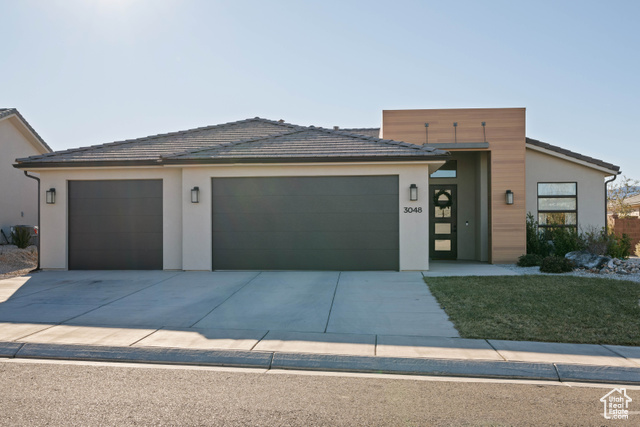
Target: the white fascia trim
(572, 159)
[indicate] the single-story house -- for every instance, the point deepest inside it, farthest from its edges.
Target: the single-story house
(268, 195)
(18, 195)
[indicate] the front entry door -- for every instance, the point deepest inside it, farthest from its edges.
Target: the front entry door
(443, 227)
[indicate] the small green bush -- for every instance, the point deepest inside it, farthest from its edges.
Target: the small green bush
(537, 243)
(529, 260)
(556, 264)
(21, 237)
(595, 241)
(619, 247)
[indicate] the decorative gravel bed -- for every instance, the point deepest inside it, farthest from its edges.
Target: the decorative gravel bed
(579, 272)
(17, 262)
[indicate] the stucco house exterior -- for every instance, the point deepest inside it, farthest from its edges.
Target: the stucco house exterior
(259, 194)
(18, 194)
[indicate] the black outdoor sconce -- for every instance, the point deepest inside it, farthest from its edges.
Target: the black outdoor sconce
(195, 195)
(413, 192)
(51, 196)
(509, 197)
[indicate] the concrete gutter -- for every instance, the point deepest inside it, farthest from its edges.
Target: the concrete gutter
(327, 362)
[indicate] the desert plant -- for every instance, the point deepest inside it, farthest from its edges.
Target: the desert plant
(21, 237)
(595, 241)
(529, 260)
(556, 264)
(638, 249)
(619, 246)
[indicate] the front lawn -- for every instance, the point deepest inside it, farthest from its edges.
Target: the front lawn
(542, 308)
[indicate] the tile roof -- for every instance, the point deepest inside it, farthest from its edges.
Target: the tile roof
(246, 139)
(154, 146)
(633, 200)
(309, 143)
(6, 112)
(575, 155)
(375, 132)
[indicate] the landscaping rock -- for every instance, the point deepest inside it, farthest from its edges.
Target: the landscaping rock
(585, 259)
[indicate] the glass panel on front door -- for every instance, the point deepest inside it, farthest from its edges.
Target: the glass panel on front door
(443, 227)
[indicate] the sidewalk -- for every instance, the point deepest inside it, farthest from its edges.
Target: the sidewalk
(325, 351)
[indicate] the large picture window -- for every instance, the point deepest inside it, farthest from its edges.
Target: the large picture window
(558, 204)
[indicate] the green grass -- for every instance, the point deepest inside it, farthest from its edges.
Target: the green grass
(542, 308)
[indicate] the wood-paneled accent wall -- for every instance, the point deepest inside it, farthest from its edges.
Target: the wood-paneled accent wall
(505, 133)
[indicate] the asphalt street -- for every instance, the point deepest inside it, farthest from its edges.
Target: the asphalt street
(59, 393)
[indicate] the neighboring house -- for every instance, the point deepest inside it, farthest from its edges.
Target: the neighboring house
(18, 194)
(266, 195)
(634, 204)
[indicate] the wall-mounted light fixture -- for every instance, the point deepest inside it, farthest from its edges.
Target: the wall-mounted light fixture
(413, 192)
(195, 195)
(509, 197)
(51, 196)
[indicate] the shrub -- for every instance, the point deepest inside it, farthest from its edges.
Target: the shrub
(21, 237)
(595, 241)
(536, 242)
(638, 249)
(529, 260)
(565, 240)
(619, 247)
(556, 264)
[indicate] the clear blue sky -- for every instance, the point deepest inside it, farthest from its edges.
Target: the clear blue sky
(86, 72)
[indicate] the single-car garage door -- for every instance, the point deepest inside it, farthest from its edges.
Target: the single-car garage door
(115, 225)
(306, 223)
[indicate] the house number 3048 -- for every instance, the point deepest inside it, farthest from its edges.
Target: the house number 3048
(412, 210)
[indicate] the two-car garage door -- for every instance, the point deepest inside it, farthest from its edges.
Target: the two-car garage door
(306, 223)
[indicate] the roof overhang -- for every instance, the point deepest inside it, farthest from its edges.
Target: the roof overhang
(606, 171)
(19, 122)
(440, 159)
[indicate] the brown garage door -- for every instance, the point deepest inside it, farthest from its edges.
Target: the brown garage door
(115, 225)
(306, 223)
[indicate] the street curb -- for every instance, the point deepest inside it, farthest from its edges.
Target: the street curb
(326, 362)
(608, 374)
(9, 349)
(245, 359)
(415, 366)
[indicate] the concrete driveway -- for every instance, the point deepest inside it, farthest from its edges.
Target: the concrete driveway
(322, 302)
(356, 313)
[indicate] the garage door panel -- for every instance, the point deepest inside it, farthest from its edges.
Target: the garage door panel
(304, 240)
(106, 223)
(293, 223)
(280, 221)
(128, 189)
(114, 206)
(285, 186)
(114, 260)
(116, 241)
(307, 203)
(308, 260)
(115, 225)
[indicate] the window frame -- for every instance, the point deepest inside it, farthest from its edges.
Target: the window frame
(574, 211)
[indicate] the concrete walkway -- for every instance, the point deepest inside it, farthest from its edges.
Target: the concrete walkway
(367, 322)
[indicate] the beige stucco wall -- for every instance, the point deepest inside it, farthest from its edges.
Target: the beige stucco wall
(53, 221)
(187, 226)
(18, 194)
(542, 167)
